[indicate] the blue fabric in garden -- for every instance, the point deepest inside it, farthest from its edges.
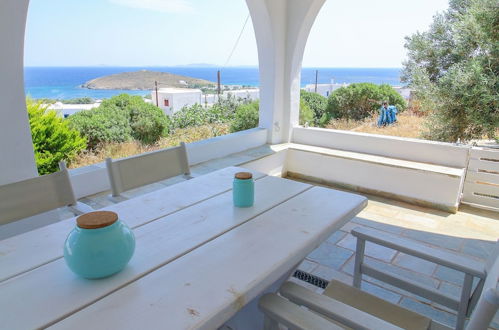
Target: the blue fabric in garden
(387, 115)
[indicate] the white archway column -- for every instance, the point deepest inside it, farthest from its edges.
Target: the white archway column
(17, 160)
(281, 30)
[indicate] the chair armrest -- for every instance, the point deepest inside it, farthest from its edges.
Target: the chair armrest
(438, 256)
(282, 311)
(333, 309)
(80, 208)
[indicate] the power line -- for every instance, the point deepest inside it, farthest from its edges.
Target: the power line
(237, 41)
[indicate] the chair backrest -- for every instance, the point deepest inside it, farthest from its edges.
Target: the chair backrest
(26, 198)
(132, 172)
(489, 300)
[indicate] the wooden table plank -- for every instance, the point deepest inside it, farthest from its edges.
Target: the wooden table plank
(207, 286)
(27, 251)
(157, 243)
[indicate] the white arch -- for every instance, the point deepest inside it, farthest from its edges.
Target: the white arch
(17, 160)
(281, 29)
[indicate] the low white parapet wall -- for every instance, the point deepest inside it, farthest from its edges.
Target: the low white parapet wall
(446, 154)
(89, 180)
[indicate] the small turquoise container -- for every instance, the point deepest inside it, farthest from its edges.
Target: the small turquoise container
(99, 246)
(243, 189)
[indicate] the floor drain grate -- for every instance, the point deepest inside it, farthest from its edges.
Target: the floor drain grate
(312, 279)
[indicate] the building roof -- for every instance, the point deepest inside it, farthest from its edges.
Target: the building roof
(172, 90)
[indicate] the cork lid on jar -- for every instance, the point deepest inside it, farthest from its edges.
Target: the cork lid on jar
(243, 175)
(97, 219)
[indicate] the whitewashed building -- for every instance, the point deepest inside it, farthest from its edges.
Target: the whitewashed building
(324, 89)
(66, 110)
(171, 100)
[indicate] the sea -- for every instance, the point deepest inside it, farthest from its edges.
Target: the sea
(65, 82)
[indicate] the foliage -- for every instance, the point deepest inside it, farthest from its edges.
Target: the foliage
(246, 117)
(317, 103)
(221, 112)
(362, 100)
(454, 67)
(120, 119)
(148, 122)
(306, 113)
(79, 100)
(102, 124)
(53, 139)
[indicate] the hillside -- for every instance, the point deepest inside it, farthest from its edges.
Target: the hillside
(144, 80)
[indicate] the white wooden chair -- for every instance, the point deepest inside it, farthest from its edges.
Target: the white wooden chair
(20, 201)
(136, 171)
(346, 306)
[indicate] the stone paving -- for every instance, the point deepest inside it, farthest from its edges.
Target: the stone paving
(470, 232)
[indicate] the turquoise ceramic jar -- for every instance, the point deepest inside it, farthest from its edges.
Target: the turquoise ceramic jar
(100, 245)
(243, 189)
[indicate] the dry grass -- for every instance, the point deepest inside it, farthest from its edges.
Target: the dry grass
(408, 125)
(125, 149)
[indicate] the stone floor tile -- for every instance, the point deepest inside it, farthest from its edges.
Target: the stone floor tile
(378, 225)
(372, 250)
(380, 292)
(416, 264)
(427, 310)
(449, 275)
(330, 255)
(329, 274)
(478, 248)
(308, 266)
(444, 241)
(349, 226)
(97, 201)
(411, 275)
(450, 289)
(338, 235)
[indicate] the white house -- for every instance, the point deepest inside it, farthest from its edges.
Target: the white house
(66, 110)
(171, 100)
(247, 94)
(324, 89)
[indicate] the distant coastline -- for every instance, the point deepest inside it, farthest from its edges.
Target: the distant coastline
(65, 82)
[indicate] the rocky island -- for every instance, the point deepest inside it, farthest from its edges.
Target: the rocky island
(144, 80)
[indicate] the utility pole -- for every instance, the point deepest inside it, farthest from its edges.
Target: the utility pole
(316, 76)
(218, 84)
(156, 87)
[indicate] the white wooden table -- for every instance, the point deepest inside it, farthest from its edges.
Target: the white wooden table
(198, 263)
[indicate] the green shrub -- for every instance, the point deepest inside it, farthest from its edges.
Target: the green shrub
(306, 114)
(194, 115)
(102, 124)
(246, 117)
(317, 103)
(362, 100)
(53, 139)
(119, 119)
(79, 100)
(148, 123)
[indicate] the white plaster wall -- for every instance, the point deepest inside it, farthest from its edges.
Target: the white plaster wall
(16, 149)
(274, 165)
(180, 100)
(446, 154)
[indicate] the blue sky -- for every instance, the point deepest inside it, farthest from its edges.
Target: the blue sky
(353, 33)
